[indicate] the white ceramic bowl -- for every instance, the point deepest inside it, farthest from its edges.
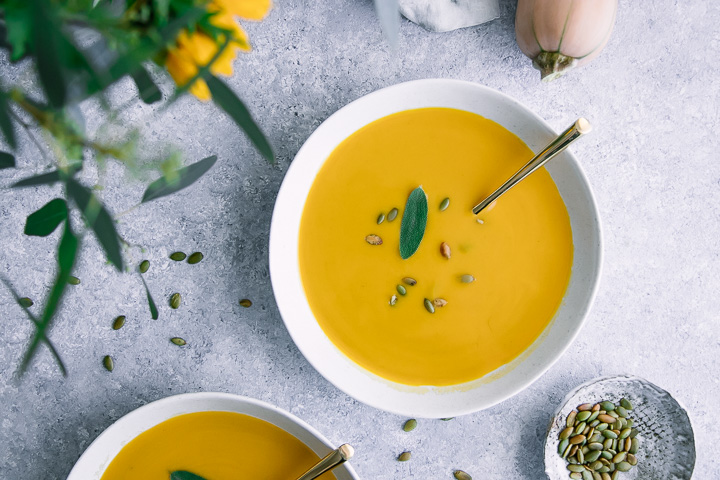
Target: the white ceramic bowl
(433, 402)
(99, 454)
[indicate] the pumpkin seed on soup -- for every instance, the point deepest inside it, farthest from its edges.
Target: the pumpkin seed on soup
(175, 301)
(118, 322)
(404, 457)
(410, 425)
(392, 214)
(178, 256)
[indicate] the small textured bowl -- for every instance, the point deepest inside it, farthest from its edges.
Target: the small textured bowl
(667, 444)
(92, 463)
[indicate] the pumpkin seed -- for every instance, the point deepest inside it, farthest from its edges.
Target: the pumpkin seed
(401, 290)
(245, 303)
(178, 256)
(606, 455)
(195, 257)
(587, 475)
(584, 415)
(619, 457)
(467, 278)
(601, 427)
(144, 265)
(630, 422)
(607, 443)
(439, 302)
(73, 280)
(597, 465)
(607, 406)
(178, 341)
(573, 449)
(392, 214)
(571, 419)
(625, 433)
(444, 204)
(393, 300)
(606, 418)
(594, 423)
(567, 451)
(623, 466)
(628, 444)
(580, 456)
(613, 414)
(445, 250)
(593, 416)
(410, 425)
(595, 446)
(631, 459)
(404, 457)
(635, 444)
(580, 428)
(380, 218)
(633, 433)
(429, 306)
(576, 476)
(108, 363)
(563, 445)
(605, 476)
(621, 411)
(596, 407)
(566, 433)
(409, 281)
(118, 322)
(576, 468)
(373, 239)
(175, 300)
(574, 440)
(626, 404)
(596, 476)
(592, 456)
(25, 302)
(584, 406)
(615, 475)
(460, 475)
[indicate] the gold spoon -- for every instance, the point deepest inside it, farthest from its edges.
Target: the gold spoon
(333, 459)
(576, 130)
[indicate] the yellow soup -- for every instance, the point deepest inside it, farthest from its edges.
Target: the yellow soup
(519, 252)
(216, 446)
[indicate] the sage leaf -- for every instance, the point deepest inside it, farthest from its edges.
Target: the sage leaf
(45, 220)
(97, 218)
(226, 99)
(149, 92)
(388, 12)
(184, 475)
(47, 178)
(67, 252)
(6, 124)
(153, 308)
(48, 43)
(35, 321)
(414, 221)
(182, 178)
(7, 160)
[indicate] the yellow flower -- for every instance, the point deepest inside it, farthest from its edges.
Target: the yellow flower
(193, 50)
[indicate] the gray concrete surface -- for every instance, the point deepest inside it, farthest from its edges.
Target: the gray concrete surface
(653, 96)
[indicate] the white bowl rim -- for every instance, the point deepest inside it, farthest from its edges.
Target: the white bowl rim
(91, 458)
(277, 268)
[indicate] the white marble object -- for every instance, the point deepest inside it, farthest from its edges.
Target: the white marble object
(446, 15)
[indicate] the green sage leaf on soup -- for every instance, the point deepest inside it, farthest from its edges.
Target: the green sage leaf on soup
(184, 475)
(414, 221)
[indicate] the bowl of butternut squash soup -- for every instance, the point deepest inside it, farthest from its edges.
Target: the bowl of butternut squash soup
(388, 283)
(213, 436)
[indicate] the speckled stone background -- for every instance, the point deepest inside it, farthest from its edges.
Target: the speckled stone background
(653, 96)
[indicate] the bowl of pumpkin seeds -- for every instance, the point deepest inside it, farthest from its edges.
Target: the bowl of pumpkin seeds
(619, 428)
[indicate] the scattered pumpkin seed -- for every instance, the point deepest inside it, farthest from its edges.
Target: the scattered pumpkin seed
(73, 280)
(460, 475)
(118, 322)
(178, 341)
(445, 250)
(373, 239)
(178, 256)
(409, 281)
(393, 300)
(439, 302)
(245, 303)
(380, 218)
(467, 278)
(195, 257)
(401, 290)
(144, 265)
(444, 204)
(108, 363)
(392, 214)
(175, 301)
(410, 425)
(429, 306)
(626, 404)
(404, 457)
(25, 302)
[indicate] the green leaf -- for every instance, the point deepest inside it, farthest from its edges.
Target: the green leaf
(6, 124)
(414, 221)
(19, 29)
(97, 218)
(153, 308)
(389, 15)
(67, 252)
(43, 222)
(182, 178)
(233, 106)
(184, 475)
(7, 160)
(149, 92)
(48, 43)
(34, 319)
(47, 178)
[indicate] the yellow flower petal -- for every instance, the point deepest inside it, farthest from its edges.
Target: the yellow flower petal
(250, 9)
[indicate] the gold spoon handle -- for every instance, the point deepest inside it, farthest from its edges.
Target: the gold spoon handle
(575, 131)
(337, 457)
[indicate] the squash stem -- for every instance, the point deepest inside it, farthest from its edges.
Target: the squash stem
(553, 65)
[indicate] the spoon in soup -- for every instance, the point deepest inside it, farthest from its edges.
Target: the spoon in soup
(575, 131)
(333, 459)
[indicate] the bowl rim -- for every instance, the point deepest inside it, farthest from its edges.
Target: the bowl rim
(91, 459)
(277, 269)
